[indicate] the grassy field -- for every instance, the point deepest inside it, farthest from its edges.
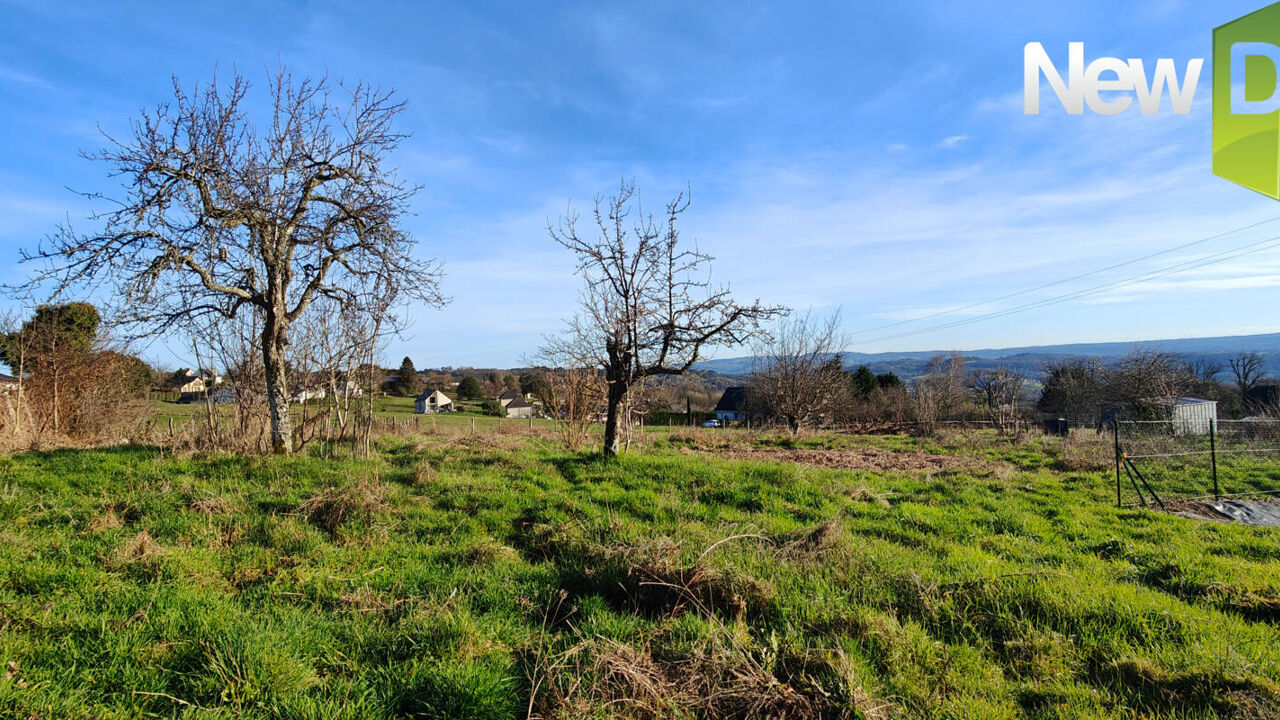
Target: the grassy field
(715, 575)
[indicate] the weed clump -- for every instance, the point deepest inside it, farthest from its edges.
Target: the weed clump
(211, 506)
(331, 507)
(140, 550)
(645, 576)
(726, 675)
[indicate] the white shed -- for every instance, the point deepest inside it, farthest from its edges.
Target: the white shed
(1190, 416)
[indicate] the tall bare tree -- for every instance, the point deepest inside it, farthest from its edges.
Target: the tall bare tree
(1000, 391)
(940, 392)
(1146, 375)
(1247, 369)
(647, 307)
(223, 211)
(798, 376)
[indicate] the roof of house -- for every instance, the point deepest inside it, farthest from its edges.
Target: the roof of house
(429, 392)
(519, 403)
(734, 399)
(1183, 401)
(510, 395)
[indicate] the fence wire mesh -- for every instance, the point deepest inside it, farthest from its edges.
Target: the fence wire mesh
(1165, 460)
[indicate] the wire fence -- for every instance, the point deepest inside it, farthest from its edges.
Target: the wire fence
(1162, 461)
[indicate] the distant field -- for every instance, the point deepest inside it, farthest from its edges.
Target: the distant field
(715, 575)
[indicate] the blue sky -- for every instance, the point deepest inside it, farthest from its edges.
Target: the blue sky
(869, 156)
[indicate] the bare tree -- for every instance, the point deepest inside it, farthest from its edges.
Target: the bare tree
(573, 394)
(798, 376)
(647, 307)
(1205, 370)
(1145, 375)
(940, 392)
(235, 345)
(224, 212)
(1000, 391)
(1247, 369)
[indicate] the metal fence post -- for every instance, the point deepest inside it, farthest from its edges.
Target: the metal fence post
(1115, 431)
(1213, 455)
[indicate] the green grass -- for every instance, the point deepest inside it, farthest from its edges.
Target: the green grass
(455, 575)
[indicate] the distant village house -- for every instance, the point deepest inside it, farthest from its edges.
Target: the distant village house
(431, 402)
(518, 408)
(732, 407)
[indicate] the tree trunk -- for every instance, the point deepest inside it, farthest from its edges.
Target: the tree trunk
(274, 340)
(617, 392)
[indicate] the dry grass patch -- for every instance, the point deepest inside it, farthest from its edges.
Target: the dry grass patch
(108, 520)
(141, 549)
(721, 679)
(365, 600)
(864, 494)
(212, 506)
(646, 576)
(331, 507)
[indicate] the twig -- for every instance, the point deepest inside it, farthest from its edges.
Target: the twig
(718, 543)
(166, 696)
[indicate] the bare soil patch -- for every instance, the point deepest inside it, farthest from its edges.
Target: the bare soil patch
(859, 459)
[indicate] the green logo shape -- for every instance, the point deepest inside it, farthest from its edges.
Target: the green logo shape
(1246, 147)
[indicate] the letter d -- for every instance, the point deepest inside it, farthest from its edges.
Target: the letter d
(1239, 78)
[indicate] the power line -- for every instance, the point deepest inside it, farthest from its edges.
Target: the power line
(1056, 283)
(1204, 261)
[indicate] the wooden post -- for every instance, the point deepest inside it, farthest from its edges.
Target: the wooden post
(473, 426)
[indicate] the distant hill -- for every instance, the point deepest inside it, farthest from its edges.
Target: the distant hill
(1030, 360)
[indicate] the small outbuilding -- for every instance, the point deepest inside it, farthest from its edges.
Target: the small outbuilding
(1189, 415)
(431, 402)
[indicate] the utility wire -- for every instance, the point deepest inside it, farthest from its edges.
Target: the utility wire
(1203, 261)
(1056, 283)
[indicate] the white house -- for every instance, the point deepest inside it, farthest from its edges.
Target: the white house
(350, 389)
(432, 401)
(732, 407)
(308, 394)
